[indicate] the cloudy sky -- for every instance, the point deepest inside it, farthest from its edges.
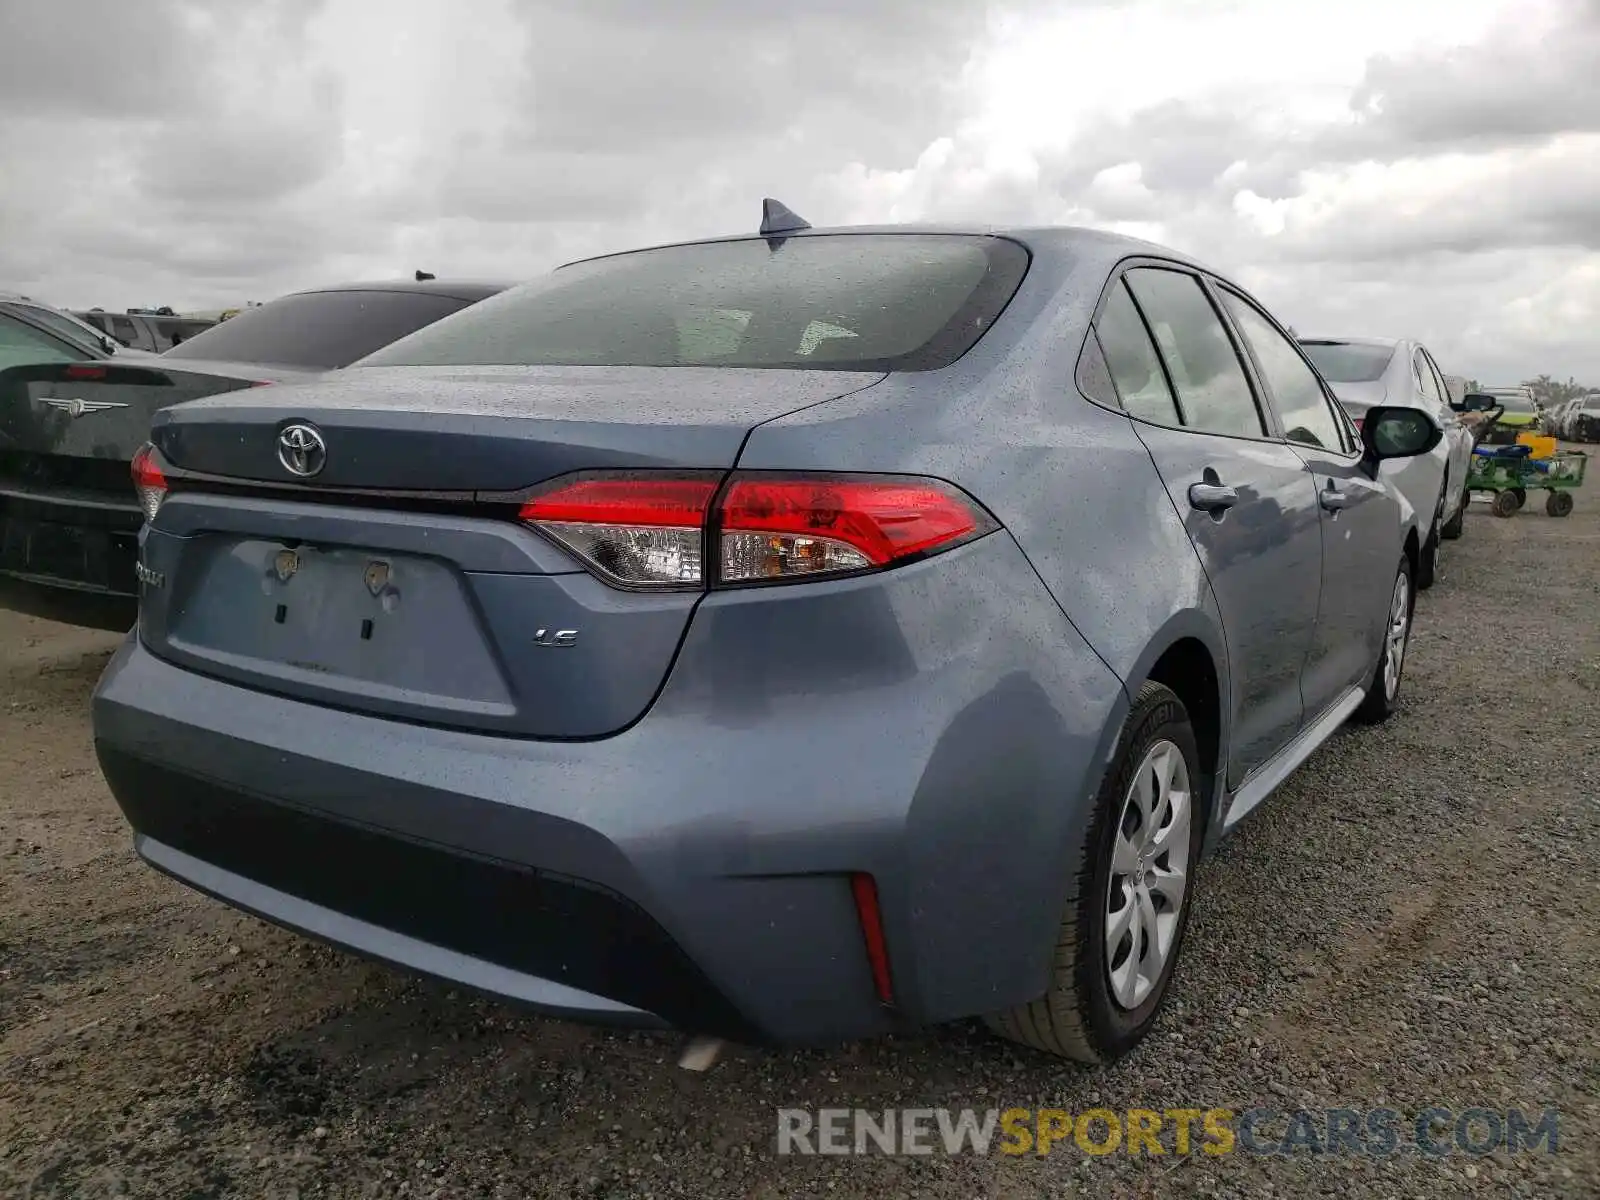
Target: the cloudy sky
(1386, 167)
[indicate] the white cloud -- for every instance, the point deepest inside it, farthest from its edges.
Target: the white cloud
(1419, 166)
(1305, 153)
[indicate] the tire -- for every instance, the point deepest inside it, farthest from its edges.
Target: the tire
(1521, 495)
(1428, 560)
(1558, 504)
(1505, 504)
(1081, 1016)
(1383, 696)
(1457, 525)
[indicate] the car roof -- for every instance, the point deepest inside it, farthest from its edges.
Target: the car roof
(454, 289)
(1375, 343)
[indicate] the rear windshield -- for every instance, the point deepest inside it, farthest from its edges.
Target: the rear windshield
(65, 325)
(846, 302)
(317, 330)
(1346, 362)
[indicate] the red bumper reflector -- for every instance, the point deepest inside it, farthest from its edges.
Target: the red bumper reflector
(865, 890)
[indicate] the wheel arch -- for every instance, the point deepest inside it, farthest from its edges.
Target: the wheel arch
(1189, 655)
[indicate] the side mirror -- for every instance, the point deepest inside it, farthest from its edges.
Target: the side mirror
(1478, 402)
(1394, 432)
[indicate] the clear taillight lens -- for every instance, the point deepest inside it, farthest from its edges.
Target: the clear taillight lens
(633, 530)
(148, 482)
(654, 531)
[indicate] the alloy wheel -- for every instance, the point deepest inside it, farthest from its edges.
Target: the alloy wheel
(1399, 629)
(1149, 874)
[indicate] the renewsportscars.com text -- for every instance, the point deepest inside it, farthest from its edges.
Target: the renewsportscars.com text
(1373, 1133)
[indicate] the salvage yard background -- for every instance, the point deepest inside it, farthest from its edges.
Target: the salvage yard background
(1412, 920)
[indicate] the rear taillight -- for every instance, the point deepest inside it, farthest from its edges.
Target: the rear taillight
(80, 372)
(658, 531)
(639, 531)
(782, 527)
(148, 481)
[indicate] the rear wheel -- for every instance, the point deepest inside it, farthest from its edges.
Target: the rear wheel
(1558, 504)
(1383, 690)
(1129, 904)
(1428, 560)
(1457, 525)
(1506, 504)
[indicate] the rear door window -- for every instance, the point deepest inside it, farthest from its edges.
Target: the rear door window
(1132, 361)
(895, 301)
(1440, 388)
(1427, 380)
(22, 345)
(124, 330)
(1297, 394)
(1213, 391)
(62, 326)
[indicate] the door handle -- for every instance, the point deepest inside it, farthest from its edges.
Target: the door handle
(1333, 499)
(1212, 497)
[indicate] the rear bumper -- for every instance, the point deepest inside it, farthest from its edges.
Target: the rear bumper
(465, 917)
(70, 557)
(694, 870)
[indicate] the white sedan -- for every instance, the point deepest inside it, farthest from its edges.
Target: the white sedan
(1368, 371)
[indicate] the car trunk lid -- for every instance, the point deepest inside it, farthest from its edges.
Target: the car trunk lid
(68, 515)
(492, 429)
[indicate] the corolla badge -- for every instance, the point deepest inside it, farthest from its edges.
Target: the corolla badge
(76, 407)
(301, 450)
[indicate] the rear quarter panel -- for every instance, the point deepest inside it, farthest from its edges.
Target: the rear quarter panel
(1069, 480)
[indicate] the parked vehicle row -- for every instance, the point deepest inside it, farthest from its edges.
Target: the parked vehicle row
(145, 329)
(489, 654)
(75, 409)
(1576, 420)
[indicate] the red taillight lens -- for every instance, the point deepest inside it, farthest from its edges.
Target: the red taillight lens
(77, 371)
(652, 530)
(1358, 421)
(775, 528)
(148, 481)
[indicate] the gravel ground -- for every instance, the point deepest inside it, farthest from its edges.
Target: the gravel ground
(1411, 921)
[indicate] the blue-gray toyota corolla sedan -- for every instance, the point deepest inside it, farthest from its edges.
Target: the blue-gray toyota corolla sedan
(792, 637)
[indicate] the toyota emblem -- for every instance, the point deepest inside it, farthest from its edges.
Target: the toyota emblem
(301, 450)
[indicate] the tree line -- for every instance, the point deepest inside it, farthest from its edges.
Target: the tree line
(1547, 390)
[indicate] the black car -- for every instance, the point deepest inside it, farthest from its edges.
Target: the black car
(74, 410)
